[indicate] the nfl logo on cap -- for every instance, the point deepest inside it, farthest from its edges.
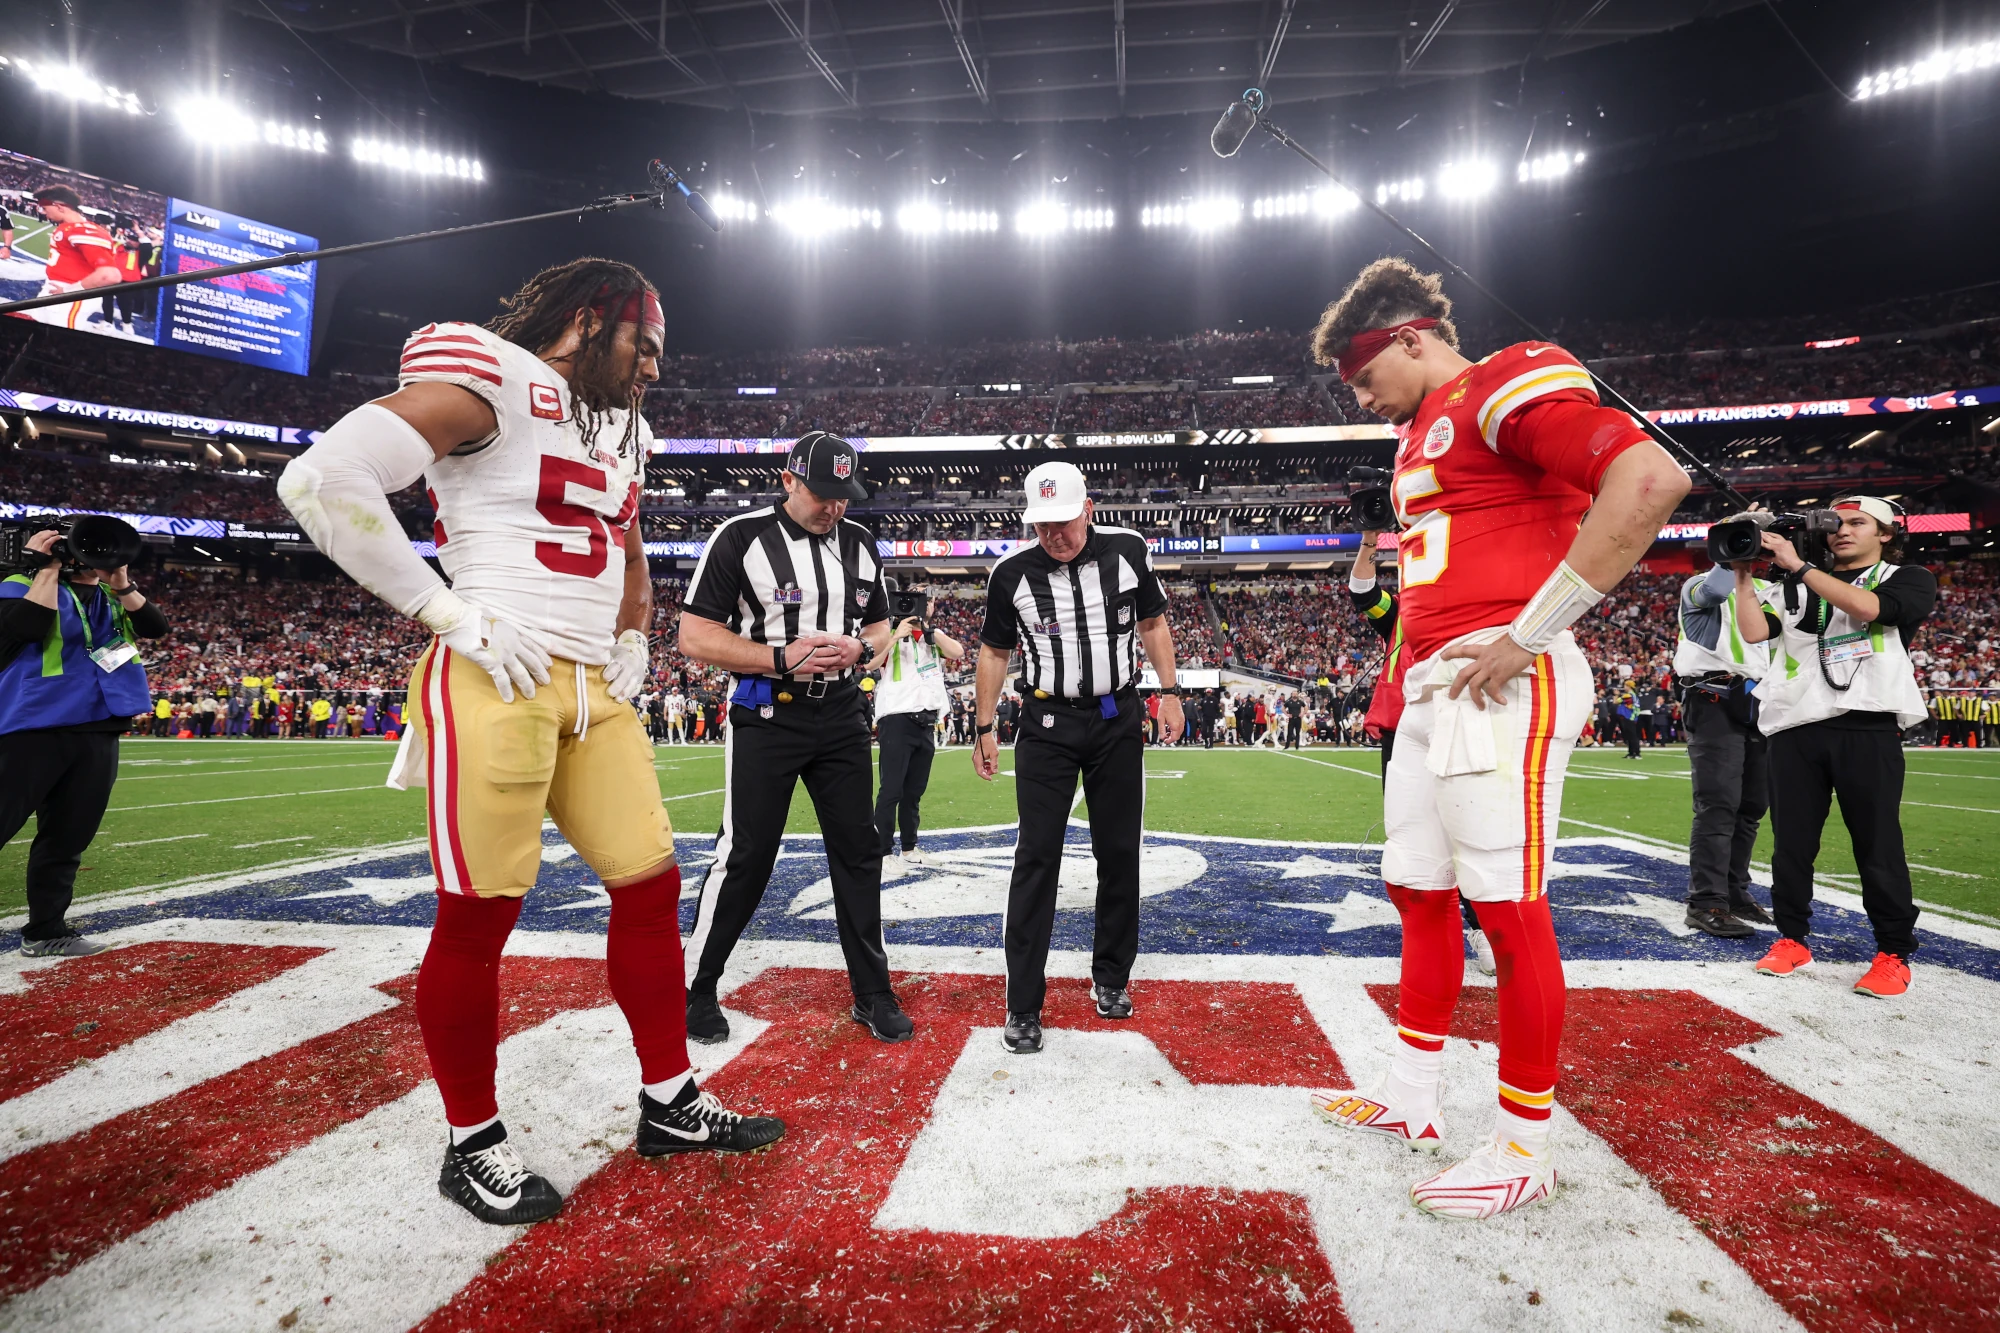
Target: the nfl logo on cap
(843, 466)
(1048, 488)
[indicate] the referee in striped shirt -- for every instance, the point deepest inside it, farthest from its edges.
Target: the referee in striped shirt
(789, 601)
(1078, 604)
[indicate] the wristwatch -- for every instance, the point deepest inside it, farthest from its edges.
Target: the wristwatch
(778, 660)
(867, 652)
(125, 591)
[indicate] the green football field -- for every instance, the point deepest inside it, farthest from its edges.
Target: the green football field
(187, 809)
(31, 235)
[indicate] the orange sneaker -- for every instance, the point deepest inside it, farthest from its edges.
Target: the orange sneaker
(1888, 975)
(1786, 957)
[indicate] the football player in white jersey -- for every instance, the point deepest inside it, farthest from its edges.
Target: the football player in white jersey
(528, 436)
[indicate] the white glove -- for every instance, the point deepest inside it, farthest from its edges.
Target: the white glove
(631, 663)
(516, 658)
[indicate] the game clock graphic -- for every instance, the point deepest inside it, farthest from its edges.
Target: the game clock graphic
(50, 247)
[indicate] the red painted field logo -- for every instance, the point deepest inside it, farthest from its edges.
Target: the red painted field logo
(544, 401)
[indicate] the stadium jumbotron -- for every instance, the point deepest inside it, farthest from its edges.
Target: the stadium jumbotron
(1479, 642)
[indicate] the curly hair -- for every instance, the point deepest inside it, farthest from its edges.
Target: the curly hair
(539, 315)
(1385, 292)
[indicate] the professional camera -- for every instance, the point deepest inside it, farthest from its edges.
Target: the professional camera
(903, 605)
(1368, 492)
(1739, 537)
(94, 541)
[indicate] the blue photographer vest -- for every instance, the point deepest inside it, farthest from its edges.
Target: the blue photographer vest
(57, 685)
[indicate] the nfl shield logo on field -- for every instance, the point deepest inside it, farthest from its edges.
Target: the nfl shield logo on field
(1047, 488)
(843, 466)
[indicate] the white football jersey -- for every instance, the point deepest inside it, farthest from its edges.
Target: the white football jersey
(531, 522)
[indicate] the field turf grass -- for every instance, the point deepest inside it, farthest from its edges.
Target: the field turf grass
(187, 809)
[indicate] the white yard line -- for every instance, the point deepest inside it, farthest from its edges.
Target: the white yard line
(1972, 809)
(265, 796)
(147, 842)
(271, 842)
(690, 795)
(1327, 763)
(382, 763)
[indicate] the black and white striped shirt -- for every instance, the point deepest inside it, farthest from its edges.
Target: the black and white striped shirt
(1076, 624)
(770, 580)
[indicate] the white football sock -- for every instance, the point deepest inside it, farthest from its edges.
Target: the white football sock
(1530, 1136)
(1414, 1074)
(667, 1089)
(460, 1133)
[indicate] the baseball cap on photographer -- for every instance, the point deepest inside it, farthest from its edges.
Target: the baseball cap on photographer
(1874, 506)
(1056, 493)
(828, 465)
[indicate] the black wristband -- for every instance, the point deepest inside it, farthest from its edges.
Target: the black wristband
(986, 730)
(778, 660)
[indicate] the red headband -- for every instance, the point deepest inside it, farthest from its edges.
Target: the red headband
(1368, 344)
(641, 307)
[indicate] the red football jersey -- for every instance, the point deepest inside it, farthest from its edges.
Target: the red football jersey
(1489, 502)
(79, 249)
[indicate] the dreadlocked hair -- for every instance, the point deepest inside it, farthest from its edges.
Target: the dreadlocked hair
(1385, 293)
(540, 314)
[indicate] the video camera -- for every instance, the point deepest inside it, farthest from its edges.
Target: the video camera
(903, 605)
(1740, 536)
(1368, 492)
(87, 541)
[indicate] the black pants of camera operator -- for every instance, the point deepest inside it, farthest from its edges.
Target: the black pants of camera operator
(1729, 760)
(909, 743)
(1628, 727)
(1862, 765)
(1057, 741)
(63, 778)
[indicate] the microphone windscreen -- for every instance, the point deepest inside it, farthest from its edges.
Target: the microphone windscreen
(1232, 129)
(701, 209)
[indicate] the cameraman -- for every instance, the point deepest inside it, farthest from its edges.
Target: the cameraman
(1838, 693)
(70, 682)
(908, 700)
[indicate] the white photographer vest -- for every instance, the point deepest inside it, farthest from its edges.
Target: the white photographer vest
(912, 680)
(1731, 652)
(1795, 692)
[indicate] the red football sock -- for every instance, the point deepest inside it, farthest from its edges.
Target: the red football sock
(1433, 965)
(643, 956)
(458, 1001)
(1531, 1004)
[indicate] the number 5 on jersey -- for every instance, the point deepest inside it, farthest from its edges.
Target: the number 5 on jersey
(1424, 549)
(552, 502)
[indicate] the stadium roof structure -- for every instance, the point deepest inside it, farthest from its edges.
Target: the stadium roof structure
(967, 60)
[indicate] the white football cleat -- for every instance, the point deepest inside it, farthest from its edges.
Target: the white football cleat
(1497, 1178)
(1374, 1111)
(1482, 952)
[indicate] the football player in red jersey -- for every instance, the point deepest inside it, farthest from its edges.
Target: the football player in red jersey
(1522, 502)
(82, 255)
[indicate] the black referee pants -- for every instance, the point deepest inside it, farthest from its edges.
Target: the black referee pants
(1729, 762)
(825, 742)
(909, 743)
(1057, 742)
(63, 778)
(1810, 765)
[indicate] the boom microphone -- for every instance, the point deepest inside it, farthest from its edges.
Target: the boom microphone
(1235, 125)
(665, 178)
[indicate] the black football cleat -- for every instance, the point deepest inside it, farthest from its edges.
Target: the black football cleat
(1749, 910)
(1719, 923)
(1112, 1001)
(696, 1122)
(705, 1021)
(884, 1017)
(484, 1176)
(1024, 1032)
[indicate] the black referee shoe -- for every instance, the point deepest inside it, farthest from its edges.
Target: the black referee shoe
(1112, 1001)
(1748, 910)
(884, 1017)
(705, 1021)
(1024, 1032)
(696, 1122)
(485, 1176)
(1719, 923)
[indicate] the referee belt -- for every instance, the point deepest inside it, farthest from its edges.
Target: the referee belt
(1107, 705)
(763, 691)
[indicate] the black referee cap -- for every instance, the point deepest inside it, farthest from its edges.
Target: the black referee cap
(829, 466)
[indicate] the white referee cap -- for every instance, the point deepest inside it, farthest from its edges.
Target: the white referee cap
(1055, 493)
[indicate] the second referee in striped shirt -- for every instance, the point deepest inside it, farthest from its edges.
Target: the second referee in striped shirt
(789, 601)
(1078, 605)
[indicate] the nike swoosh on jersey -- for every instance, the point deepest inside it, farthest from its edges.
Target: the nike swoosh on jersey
(1537, 351)
(493, 1200)
(682, 1133)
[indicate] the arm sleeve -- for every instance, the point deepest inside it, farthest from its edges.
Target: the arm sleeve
(1569, 438)
(21, 621)
(1907, 598)
(1001, 630)
(149, 621)
(718, 578)
(1378, 607)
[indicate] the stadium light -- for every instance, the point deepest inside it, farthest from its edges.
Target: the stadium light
(218, 124)
(67, 81)
(1041, 219)
(1945, 64)
(922, 219)
(1199, 214)
(813, 218)
(417, 161)
(1548, 167)
(1467, 180)
(1327, 203)
(1406, 191)
(731, 209)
